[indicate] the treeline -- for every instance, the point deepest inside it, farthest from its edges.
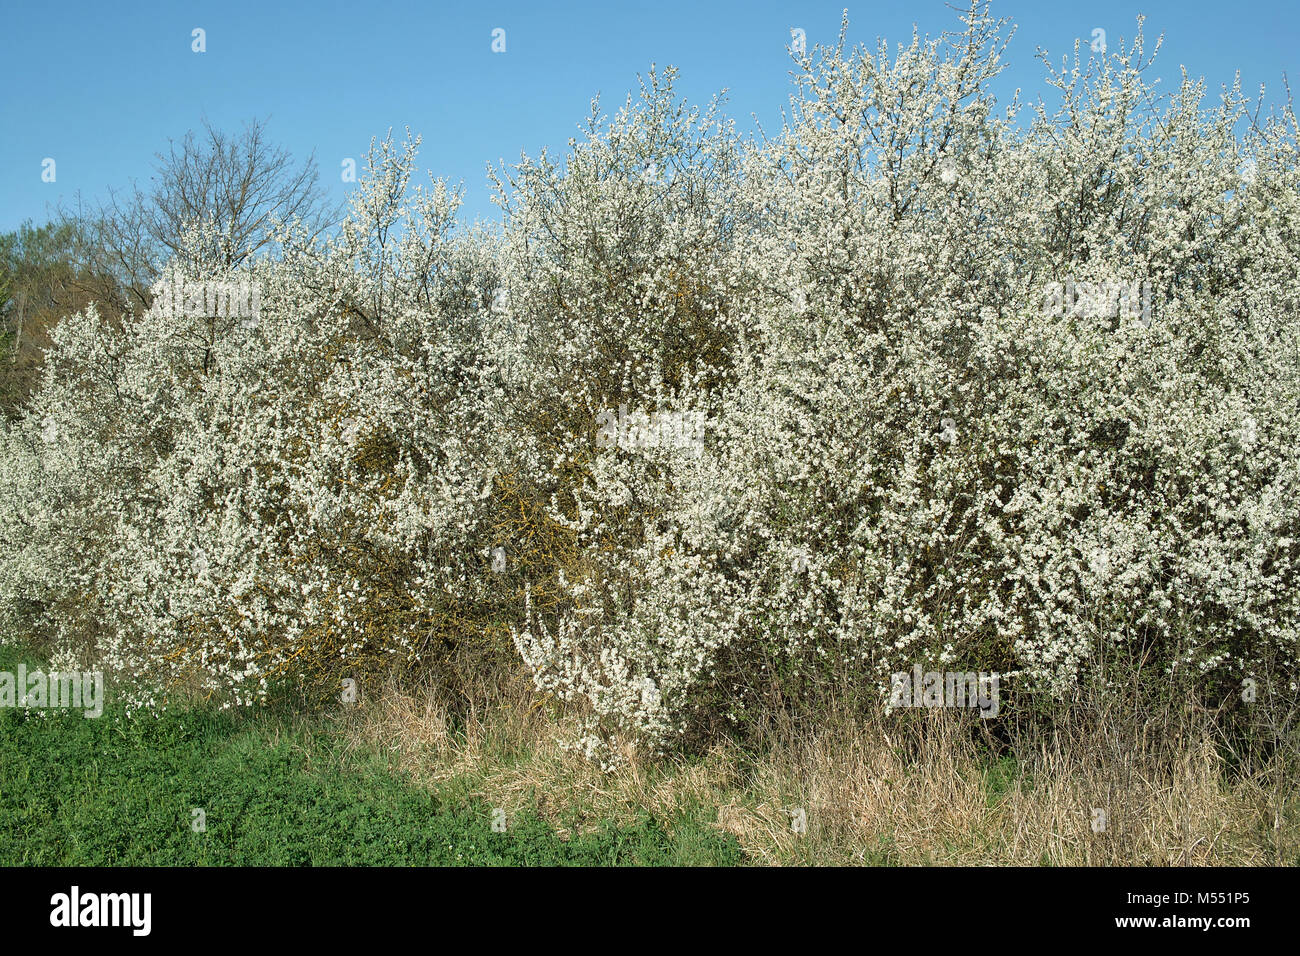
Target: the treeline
(110, 254)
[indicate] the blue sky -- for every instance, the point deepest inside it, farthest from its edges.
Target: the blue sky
(100, 87)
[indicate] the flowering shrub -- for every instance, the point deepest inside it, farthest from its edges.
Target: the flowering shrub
(912, 460)
(913, 451)
(220, 501)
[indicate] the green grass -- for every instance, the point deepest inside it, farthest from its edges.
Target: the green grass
(276, 790)
(1000, 777)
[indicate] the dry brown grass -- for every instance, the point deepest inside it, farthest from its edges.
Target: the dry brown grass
(508, 752)
(914, 788)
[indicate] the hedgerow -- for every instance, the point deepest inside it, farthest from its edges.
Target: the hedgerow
(979, 389)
